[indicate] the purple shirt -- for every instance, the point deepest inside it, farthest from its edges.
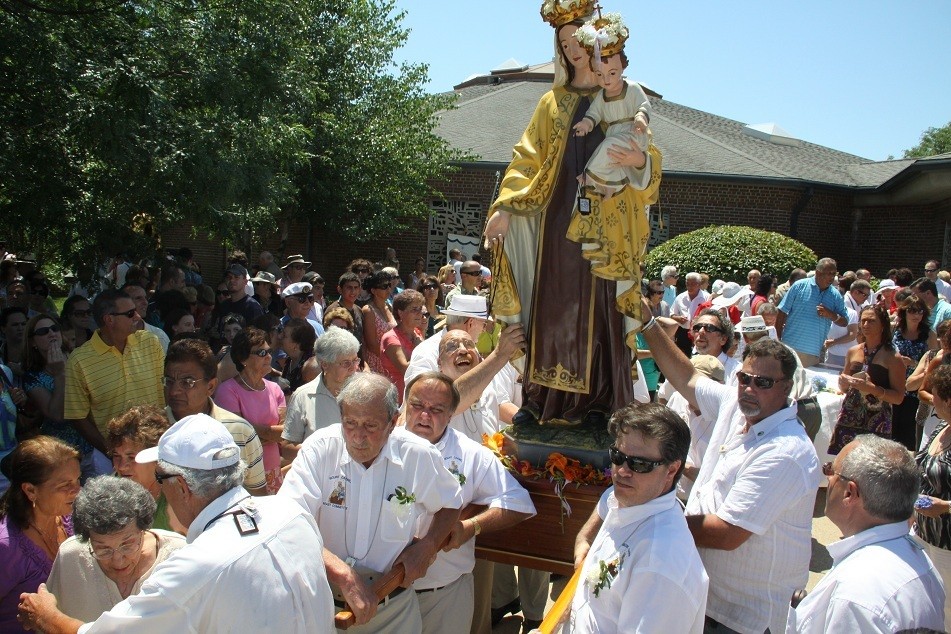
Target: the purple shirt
(23, 567)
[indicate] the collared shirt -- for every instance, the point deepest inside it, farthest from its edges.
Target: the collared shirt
(252, 452)
(312, 407)
(730, 367)
(940, 312)
(159, 334)
(881, 581)
(805, 330)
(223, 581)
(425, 357)
(356, 507)
(482, 417)
(764, 481)
(659, 584)
(483, 480)
(683, 306)
(104, 382)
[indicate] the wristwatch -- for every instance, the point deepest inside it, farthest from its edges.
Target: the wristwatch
(478, 526)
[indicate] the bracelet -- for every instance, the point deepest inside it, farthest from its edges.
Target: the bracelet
(650, 324)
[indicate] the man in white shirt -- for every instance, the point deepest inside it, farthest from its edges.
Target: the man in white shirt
(234, 543)
(138, 295)
(642, 572)
(881, 579)
(369, 484)
(931, 272)
(750, 510)
(859, 296)
(446, 593)
(687, 302)
(713, 335)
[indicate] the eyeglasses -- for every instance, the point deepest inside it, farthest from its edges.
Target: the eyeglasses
(45, 330)
(126, 548)
(430, 287)
(828, 472)
(82, 313)
(914, 310)
(162, 477)
(347, 363)
(129, 313)
(263, 352)
(931, 270)
(186, 383)
(473, 273)
(303, 299)
(864, 292)
(707, 327)
(635, 464)
(762, 382)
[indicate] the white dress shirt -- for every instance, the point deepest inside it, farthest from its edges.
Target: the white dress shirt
(482, 417)
(425, 357)
(686, 307)
(312, 407)
(223, 581)
(660, 584)
(484, 481)
(355, 506)
(764, 481)
(881, 581)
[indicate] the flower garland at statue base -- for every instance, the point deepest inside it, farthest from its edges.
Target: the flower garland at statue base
(559, 469)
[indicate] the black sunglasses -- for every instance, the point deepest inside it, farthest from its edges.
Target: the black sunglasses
(303, 299)
(828, 472)
(162, 477)
(429, 287)
(762, 382)
(708, 327)
(129, 313)
(263, 352)
(635, 464)
(473, 273)
(45, 330)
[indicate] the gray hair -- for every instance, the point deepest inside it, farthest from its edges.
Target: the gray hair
(668, 271)
(825, 263)
(365, 387)
(208, 484)
(766, 308)
(107, 504)
(724, 322)
(335, 343)
(886, 474)
(693, 276)
(455, 320)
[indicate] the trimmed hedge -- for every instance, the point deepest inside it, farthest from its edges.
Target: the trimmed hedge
(729, 252)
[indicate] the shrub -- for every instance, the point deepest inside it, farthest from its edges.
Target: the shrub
(729, 252)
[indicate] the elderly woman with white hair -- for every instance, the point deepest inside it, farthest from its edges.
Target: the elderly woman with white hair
(114, 550)
(314, 405)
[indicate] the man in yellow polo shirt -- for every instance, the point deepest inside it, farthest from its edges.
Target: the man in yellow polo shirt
(117, 368)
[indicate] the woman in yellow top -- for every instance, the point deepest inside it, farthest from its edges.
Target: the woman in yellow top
(573, 280)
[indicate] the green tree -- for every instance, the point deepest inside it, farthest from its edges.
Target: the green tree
(933, 141)
(729, 253)
(118, 120)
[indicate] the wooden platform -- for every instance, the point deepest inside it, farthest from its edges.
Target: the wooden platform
(540, 542)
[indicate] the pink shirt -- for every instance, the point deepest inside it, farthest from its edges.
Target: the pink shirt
(258, 408)
(395, 337)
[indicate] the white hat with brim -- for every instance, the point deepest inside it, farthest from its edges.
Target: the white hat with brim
(887, 283)
(195, 442)
(297, 288)
(295, 259)
(752, 324)
(732, 293)
(468, 306)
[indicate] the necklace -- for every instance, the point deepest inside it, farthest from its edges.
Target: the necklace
(253, 389)
(50, 549)
(351, 554)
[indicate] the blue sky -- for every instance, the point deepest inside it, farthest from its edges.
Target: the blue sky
(861, 77)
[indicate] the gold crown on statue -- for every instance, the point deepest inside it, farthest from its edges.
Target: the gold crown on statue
(603, 36)
(560, 12)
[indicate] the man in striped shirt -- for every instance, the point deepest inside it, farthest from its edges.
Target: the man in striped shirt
(117, 368)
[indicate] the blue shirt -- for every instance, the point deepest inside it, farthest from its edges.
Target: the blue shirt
(805, 331)
(318, 329)
(940, 312)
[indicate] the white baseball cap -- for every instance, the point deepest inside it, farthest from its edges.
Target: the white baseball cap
(195, 442)
(468, 306)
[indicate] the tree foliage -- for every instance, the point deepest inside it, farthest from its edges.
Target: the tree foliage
(730, 252)
(933, 141)
(119, 119)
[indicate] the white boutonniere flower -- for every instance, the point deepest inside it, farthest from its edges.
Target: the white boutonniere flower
(402, 502)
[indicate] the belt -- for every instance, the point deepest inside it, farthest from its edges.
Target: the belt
(392, 595)
(425, 590)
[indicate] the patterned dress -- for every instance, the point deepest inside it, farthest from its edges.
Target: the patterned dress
(382, 327)
(936, 482)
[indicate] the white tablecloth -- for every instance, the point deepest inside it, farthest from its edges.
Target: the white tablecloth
(830, 403)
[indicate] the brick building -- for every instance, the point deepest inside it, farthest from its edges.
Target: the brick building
(716, 171)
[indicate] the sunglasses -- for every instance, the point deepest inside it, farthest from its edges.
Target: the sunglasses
(303, 299)
(473, 273)
(430, 287)
(707, 327)
(162, 477)
(931, 270)
(129, 313)
(635, 464)
(828, 472)
(263, 352)
(762, 382)
(45, 330)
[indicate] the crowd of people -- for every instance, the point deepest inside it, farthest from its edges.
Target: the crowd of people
(354, 428)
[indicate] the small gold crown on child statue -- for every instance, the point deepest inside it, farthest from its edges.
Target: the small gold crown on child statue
(560, 12)
(603, 36)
